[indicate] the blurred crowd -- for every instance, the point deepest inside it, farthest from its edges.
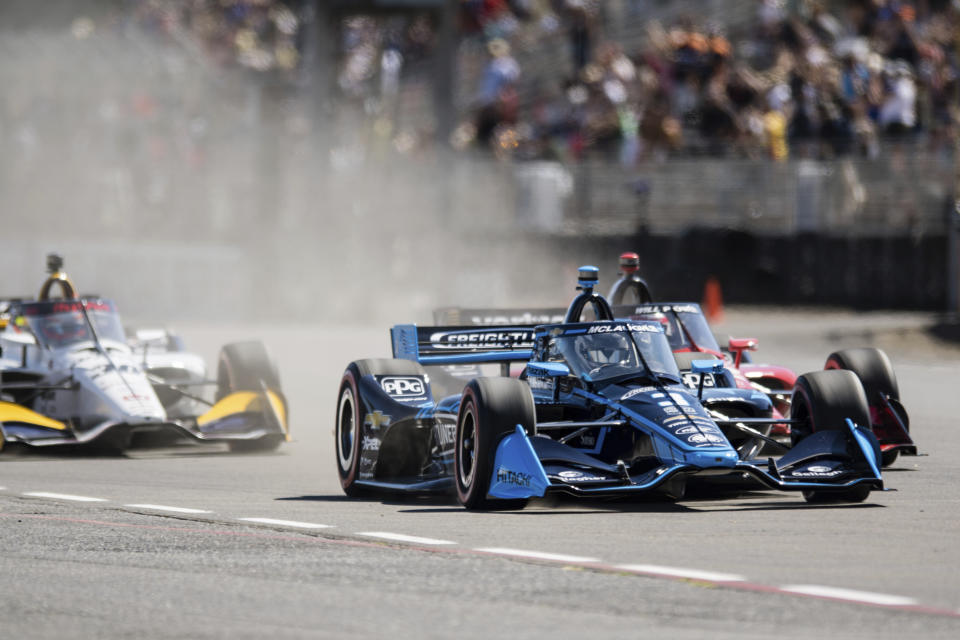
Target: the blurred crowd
(562, 79)
(255, 34)
(805, 78)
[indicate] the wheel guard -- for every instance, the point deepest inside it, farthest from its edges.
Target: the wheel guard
(517, 472)
(242, 412)
(528, 467)
(834, 459)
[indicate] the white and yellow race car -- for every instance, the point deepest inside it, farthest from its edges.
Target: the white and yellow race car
(69, 375)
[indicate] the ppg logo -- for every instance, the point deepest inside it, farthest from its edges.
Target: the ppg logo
(402, 387)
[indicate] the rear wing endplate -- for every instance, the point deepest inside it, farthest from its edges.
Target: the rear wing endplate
(462, 344)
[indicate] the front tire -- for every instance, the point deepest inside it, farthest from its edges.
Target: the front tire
(247, 366)
(348, 428)
(490, 410)
(858, 493)
(824, 400)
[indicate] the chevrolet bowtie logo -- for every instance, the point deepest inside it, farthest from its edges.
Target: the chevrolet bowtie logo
(376, 420)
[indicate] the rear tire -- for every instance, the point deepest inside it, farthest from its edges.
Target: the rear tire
(824, 400)
(872, 366)
(876, 373)
(349, 427)
(490, 410)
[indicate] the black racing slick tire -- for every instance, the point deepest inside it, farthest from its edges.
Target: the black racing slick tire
(824, 400)
(872, 366)
(490, 410)
(348, 428)
(242, 366)
(246, 366)
(856, 494)
(876, 373)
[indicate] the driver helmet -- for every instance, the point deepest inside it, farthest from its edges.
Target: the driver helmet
(606, 348)
(67, 328)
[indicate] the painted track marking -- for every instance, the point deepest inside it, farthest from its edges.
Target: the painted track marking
(534, 555)
(836, 593)
(732, 581)
(676, 572)
(160, 507)
(399, 537)
(287, 523)
(63, 496)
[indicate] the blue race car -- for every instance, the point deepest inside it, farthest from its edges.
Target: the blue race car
(600, 409)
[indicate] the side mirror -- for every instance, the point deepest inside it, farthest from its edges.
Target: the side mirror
(738, 345)
(707, 366)
(703, 367)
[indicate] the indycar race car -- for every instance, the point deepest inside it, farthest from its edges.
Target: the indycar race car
(600, 409)
(69, 376)
(690, 337)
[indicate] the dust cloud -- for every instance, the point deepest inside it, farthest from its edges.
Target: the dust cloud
(186, 188)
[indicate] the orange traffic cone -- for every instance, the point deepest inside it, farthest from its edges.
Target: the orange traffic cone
(713, 300)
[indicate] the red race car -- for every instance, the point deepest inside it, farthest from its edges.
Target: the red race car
(690, 336)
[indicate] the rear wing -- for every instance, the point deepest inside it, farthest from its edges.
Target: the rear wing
(522, 316)
(462, 344)
(498, 317)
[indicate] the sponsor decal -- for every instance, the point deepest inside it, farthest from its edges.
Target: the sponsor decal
(483, 338)
(577, 476)
(679, 399)
(541, 384)
(658, 395)
(376, 419)
(665, 308)
(371, 444)
(638, 391)
(665, 403)
(692, 380)
(445, 434)
(671, 411)
(403, 386)
(45, 308)
(524, 318)
(588, 440)
(615, 328)
(817, 471)
(705, 438)
(518, 478)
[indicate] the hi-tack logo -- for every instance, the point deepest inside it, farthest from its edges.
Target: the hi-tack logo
(518, 478)
(403, 387)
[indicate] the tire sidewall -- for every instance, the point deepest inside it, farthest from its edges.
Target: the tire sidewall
(474, 493)
(348, 467)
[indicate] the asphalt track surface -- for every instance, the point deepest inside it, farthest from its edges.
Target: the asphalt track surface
(159, 544)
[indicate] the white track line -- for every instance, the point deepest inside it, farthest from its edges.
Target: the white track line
(399, 537)
(287, 523)
(160, 507)
(63, 496)
(676, 572)
(534, 555)
(849, 594)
